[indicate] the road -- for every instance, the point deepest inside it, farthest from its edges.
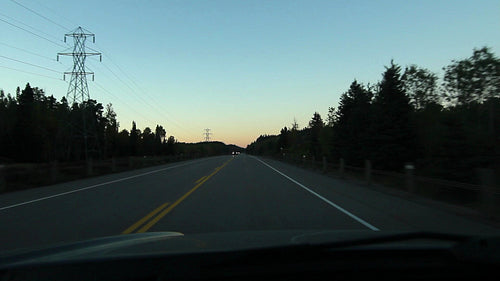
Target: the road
(216, 194)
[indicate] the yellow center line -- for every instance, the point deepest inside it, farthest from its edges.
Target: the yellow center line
(200, 179)
(171, 207)
(144, 219)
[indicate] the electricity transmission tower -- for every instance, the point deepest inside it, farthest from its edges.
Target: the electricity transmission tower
(207, 134)
(78, 90)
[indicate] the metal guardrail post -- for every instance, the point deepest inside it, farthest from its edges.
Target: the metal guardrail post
(3, 182)
(368, 171)
(324, 164)
(486, 197)
(410, 182)
(341, 167)
(89, 166)
(113, 164)
(54, 171)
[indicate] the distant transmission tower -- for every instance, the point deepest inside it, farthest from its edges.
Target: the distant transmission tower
(207, 134)
(78, 90)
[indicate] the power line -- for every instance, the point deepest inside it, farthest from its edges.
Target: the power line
(57, 14)
(31, 64)
(167, 115)
(161, 112)
(39, 36)
(132, 108)
(123, 103)
(40, 15)
(29, 26)
(119, 68)
(31, 73)
(29, 52)
(128, 86)
(142, 99)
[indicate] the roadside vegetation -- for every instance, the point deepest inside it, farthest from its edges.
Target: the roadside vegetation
(37, 128)
(446, 126)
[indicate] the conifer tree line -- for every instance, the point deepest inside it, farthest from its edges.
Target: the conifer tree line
(446, 126)
(36, 127)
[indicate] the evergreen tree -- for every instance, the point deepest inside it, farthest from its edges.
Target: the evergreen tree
(353, 124)
(111, 131)
(134, 139)
(159, 139)
(147, 142)
(393, 131)
(27, 143)
(284, 140)
(315, 127)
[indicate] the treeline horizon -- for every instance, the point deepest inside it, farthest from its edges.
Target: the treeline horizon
(35, 127)
(446, 130)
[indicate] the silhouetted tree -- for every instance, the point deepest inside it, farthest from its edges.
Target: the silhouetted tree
(134, 139)
(315, 126)
(284, 140)
(27, 139)
(353, 124)
(295, 125)
(111, 131)
(160, 135)
(171, 145)
(123, 143)
(36, 127)
(474, 79)
(421, 86)
(407, 121)
(147, 142)
(393, 132)
(331, 118)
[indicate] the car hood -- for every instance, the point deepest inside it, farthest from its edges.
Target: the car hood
(163, 243)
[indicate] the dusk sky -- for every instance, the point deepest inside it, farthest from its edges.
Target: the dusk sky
(240, 68)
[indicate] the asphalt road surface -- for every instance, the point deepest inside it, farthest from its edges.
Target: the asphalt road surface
(216, 194)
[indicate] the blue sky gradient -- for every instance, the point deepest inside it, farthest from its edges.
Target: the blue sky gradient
(241, 68)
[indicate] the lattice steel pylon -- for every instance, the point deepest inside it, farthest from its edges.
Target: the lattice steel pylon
(78, 91)
(207, 134)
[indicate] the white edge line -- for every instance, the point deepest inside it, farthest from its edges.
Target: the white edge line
(363, 222)
(93, 186)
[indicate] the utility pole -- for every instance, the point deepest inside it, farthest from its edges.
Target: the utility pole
(207, 134)
(78, 90)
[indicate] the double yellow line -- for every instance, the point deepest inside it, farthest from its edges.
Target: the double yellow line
(165, 208)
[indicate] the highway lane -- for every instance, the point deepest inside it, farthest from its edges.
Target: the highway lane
(260, 194)
(93, 207)
(216, 194)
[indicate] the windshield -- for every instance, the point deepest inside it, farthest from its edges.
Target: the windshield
(206, 117)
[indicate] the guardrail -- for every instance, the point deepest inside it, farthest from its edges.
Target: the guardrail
(484, 197)
(27, 175)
